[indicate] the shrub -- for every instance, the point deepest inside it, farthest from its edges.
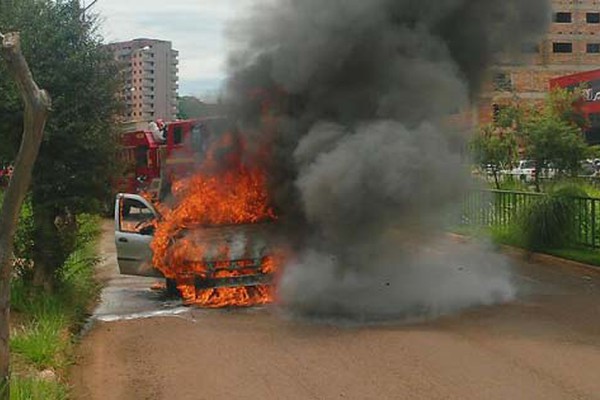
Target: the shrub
(551, 221)
(23, 242)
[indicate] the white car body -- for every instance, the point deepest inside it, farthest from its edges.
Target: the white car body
(134, 255)
(526, 170)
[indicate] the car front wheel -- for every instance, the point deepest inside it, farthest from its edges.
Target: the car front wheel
(171, 288)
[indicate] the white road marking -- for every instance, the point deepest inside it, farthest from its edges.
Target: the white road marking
(142, 315)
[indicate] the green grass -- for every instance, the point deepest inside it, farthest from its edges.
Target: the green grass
(510, 237)
(581, 255)
(23, 388)
(43, 342)
(43, 338)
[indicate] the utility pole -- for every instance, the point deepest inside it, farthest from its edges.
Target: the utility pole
(86, 8)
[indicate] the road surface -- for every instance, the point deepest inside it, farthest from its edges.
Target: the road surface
(545, 346)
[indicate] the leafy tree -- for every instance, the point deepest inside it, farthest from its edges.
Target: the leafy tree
(74, 168)
(564, 104)
(493, 149)
(552, 135)
(549, 134)
(192, 107)
(594, 151)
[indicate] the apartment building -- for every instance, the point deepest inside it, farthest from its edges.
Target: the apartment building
(572, 45)
(150, 69)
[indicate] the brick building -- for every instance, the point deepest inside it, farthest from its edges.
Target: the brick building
(571, 46)
(150, 69)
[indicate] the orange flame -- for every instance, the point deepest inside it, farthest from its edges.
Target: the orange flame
(224, 192)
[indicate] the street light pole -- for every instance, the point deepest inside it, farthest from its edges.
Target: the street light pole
(89, 6)
(86, 8)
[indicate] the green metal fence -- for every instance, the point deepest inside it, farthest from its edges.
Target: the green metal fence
(500, 208)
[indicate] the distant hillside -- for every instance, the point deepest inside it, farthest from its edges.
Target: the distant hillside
(192, 107)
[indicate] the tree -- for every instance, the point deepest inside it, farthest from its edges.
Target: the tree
(191, 107)
(552, 135)
(75, 166)
(37, 107)
(494, 149)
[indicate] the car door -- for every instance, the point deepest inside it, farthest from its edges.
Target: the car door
(135, 219)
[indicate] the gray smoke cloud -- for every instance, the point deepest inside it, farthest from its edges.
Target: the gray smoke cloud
(365, 171)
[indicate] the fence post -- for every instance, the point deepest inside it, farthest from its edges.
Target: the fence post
(594, 223)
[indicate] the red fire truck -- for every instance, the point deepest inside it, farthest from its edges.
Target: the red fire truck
(163, 151)
(590, 105)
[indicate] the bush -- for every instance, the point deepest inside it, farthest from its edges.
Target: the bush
(23, 241)
(551, 221)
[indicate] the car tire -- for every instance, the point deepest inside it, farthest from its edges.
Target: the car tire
(171, 288)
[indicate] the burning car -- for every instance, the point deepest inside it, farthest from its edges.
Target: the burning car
(212, 266)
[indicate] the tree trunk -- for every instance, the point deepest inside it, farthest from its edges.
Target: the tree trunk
(46, 249)
(536, 178)
(55, 238)
(496, 179)
(37, 106)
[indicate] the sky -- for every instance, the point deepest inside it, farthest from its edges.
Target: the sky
(196, 28)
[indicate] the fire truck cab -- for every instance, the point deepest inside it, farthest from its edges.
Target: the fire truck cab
(156, 156)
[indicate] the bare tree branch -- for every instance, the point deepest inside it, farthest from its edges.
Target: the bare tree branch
(37, 106)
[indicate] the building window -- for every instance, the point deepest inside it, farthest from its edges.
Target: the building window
(502, 82)
(562, 47)
(593, 48)
(563, 17)
(593, 18)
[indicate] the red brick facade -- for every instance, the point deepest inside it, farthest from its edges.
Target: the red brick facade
(572, 45)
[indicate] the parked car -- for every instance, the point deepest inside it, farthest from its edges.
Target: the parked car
(526, 171)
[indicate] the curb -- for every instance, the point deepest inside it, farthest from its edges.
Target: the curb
(541, 258)
(545, 259)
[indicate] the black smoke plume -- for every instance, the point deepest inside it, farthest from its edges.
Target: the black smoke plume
(354, 96)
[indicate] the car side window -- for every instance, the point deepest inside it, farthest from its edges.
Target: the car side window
(135, 216)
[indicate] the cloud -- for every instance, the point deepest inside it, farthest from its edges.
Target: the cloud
(196, 28)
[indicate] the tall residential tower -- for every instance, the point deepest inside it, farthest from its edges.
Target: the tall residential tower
(150, 69)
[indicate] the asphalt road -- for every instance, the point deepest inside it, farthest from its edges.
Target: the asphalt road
(545, 345)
